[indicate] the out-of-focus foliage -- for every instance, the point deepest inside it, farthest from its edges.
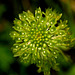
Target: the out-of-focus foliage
(5, 58)
(9, 9)
(71, 71)
(2, 10)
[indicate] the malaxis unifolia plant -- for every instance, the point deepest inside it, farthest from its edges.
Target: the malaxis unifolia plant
(39, 38)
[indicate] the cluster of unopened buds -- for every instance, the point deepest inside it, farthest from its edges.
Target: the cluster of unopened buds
(39, 38)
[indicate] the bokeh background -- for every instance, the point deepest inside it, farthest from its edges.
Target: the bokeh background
(9, 10)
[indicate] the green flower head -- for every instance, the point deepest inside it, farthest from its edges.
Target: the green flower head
(39, 38)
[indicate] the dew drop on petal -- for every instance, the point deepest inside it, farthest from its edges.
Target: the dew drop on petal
(23, 45)
(51, 22)
(56, 57)
(19, 38)
(16, 46)
(54, 52)
(44, 51)
(37, 16)
(22, 33)
(14, 34)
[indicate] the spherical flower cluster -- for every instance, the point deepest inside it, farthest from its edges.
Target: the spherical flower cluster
(39, 38)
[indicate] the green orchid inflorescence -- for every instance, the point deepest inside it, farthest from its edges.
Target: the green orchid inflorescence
(40, 38)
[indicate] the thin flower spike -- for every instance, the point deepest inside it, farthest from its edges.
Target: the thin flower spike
(40, 38)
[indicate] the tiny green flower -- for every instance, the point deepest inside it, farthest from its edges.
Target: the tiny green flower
(39, 38)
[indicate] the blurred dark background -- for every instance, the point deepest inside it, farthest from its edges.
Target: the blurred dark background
(9, 10)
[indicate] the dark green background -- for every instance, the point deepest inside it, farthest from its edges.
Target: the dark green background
(9, 10)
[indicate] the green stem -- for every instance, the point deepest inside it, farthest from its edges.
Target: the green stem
(47, 73)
